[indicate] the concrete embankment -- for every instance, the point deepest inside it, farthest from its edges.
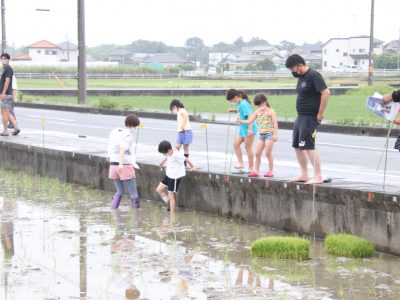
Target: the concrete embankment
(172, 92)
(288, 206)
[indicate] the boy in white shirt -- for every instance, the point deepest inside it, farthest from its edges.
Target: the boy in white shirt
(175, 170)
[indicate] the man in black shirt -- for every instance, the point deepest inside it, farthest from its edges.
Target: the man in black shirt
(6, 97)
(312, 98)
(395, 97)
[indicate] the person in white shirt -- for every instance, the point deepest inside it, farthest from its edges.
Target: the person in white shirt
(122, 161)
(175, 170)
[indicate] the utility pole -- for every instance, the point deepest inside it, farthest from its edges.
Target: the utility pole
(3, 27)
(371, 45)
(81, 53)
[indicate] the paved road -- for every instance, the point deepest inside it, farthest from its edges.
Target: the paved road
(348, 160)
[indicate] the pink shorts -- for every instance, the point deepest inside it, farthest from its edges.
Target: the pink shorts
(128, 172)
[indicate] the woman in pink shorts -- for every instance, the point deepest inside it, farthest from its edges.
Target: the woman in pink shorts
(122, 161)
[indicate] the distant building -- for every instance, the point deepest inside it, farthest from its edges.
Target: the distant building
(215, 58)
(165, 60)
(261, 50)
(392, 47)
(45, 51)
(21, 57)
(68, 51)
(121, 56)
(352, 51)
(315, 49)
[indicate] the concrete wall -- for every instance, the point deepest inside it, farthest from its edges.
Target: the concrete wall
(287, 206)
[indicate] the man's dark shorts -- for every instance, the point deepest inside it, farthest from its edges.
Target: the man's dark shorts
(304, 132)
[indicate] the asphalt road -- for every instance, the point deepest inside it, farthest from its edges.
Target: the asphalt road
(348, 160)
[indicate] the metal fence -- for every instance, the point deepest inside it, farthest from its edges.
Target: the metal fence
(378, 73)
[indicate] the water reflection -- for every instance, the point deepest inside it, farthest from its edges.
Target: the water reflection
(79, 248)
(7, 240)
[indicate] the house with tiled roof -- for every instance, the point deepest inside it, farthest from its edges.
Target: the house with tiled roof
(21, 57)
(45, 51)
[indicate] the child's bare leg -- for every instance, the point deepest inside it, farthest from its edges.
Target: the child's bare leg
(11, 118)
(4, 118)
(178, 146)
(259, 151)
(162, 191)
(269, 144)
(186, 148)
(171, 197)
(248, 142)
(238, 151)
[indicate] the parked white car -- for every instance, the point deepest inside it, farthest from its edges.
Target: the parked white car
(350, 68)
(336, 69)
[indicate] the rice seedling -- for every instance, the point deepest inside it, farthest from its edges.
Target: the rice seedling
(281, 247)
(348, 245)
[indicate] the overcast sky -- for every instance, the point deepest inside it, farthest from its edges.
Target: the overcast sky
(173, 21)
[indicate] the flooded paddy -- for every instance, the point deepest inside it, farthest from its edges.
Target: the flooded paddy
(62, 241)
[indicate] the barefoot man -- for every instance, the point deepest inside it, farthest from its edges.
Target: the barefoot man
(312, 98)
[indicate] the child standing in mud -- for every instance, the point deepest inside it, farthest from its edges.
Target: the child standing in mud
(267, 122)
(175, 170)
(122, 161)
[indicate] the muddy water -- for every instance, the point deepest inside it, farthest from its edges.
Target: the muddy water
(63, 242)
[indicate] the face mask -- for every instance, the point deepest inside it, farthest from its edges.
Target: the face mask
(296, 75)
(4, 63)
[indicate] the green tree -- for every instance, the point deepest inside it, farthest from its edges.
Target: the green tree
(223, 47)
(286, 45)
(385, 61)
(256, 41)
(266, 65)
(239, 43)
(195, 48)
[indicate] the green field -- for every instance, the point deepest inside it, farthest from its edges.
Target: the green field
(172, 83)
(342, 109)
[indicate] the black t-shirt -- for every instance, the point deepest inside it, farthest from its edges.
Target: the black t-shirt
(7, 73)
(309, 87)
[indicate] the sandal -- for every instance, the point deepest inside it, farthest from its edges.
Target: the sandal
(16, 132)
(253, 174)
(269, 174)
(4, 134)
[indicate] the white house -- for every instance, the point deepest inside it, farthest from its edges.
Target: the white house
(45, 51)
(352, 51)
(67, 51)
